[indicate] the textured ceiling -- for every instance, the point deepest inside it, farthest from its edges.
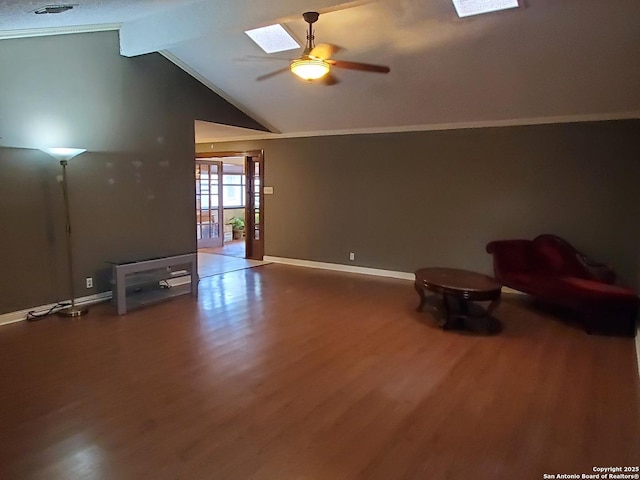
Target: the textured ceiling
(547, 61)
(18, 14)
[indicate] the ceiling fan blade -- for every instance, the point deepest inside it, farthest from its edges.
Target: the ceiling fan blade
(324, 50)
(256, 58)
(272, 74)
(330, 79)
(365, 67)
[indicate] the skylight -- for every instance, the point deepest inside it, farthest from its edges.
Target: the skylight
(466, 8)
(273, 38)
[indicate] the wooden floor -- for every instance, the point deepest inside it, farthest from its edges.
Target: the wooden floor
(285, 373)
(212, 264)
(233, 248)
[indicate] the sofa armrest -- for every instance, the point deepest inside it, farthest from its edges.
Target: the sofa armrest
(599, 271)
(556, 254)
(510, 256)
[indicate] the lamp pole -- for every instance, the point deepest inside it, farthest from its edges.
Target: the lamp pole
(72, 311)
(64, 155)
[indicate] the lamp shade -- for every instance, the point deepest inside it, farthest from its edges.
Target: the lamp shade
(310, 68)
(61, 153)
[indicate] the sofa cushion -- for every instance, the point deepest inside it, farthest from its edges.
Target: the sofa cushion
(570, 289)
(592, 289)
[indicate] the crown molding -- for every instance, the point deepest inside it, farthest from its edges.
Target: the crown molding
(599, 117)
(207, 83)
(43, 32)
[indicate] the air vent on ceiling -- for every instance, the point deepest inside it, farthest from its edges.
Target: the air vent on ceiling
(54, 9)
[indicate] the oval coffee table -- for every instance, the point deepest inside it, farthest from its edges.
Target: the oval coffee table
(459, 289)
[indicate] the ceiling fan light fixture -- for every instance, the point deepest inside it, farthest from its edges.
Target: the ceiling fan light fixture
(310, 68)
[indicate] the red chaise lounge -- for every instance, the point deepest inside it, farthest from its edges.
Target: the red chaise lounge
(550, 269)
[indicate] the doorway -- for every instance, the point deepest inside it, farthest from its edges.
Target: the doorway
(235, 216)
(209, 212)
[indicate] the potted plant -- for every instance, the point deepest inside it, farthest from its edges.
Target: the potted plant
(237, 224)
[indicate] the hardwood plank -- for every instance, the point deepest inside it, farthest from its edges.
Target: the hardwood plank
(286, 372)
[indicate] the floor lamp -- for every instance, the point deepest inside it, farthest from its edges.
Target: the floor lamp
(64, 155)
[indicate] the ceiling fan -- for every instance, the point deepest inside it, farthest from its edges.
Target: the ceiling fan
(315, 64)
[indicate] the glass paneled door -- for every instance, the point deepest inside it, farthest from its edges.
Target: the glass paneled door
(209, 230)
(255, 207)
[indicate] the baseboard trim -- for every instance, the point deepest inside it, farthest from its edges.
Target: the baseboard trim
(21, 315)
(338, 267)
(512, 291)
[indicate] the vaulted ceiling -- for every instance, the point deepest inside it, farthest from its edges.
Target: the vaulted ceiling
(547, 61)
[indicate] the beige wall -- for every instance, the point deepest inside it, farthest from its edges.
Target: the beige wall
(398, 200)
(132, 193)
(402, 201)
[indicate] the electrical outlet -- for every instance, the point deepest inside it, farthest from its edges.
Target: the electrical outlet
(89, 282)
(352, 256)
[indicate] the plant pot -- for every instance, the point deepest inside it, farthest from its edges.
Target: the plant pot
(237, 234)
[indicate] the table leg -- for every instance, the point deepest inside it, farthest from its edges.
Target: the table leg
(491, 324)
(492, 306)
(423, 298)
(455, 309)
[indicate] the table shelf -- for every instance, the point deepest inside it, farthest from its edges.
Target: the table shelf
(139, 283)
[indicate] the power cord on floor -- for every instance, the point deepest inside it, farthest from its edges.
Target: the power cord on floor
(32, 316)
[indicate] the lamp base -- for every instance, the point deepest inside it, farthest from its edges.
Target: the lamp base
(73, 311)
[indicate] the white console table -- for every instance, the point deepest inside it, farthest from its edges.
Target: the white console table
(139, 283)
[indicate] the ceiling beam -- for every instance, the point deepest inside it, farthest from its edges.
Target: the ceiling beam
(177, 25)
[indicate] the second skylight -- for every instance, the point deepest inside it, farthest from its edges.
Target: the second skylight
(466, 8)
(273, 38)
